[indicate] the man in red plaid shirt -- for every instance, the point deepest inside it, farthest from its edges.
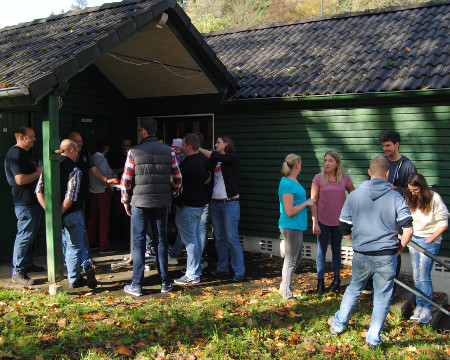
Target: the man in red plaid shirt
(154, 169)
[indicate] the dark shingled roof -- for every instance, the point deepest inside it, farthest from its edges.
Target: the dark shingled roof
(392, 49)
(37, 56)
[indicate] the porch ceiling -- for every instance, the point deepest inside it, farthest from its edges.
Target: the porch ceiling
(137, 78)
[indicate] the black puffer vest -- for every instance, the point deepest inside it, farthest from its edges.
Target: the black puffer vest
(153, 163)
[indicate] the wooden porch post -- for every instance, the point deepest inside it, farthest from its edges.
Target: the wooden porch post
(53, 225)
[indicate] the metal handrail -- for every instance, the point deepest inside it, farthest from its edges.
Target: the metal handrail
(434, 258)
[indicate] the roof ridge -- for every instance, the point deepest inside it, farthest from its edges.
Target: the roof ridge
(328, 17)
(108, 5)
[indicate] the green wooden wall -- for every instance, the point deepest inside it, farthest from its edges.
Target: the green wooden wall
(264, 138)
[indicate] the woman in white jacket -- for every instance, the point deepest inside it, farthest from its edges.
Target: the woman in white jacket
(430, 220)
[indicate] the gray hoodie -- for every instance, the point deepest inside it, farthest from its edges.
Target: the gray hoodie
(375, 212)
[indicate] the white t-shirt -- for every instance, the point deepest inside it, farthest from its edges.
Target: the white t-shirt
(219, 190)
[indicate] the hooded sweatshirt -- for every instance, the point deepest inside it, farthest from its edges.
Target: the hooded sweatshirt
(375, 212)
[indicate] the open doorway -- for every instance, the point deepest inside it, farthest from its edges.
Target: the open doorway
(176, 126)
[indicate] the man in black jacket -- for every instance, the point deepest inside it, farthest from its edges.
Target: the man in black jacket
(190, 206)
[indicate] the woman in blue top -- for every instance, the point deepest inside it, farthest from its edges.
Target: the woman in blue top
(293, 218)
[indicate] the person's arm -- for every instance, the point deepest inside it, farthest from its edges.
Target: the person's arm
(406, 238)
(346, 221)
(350, 188)
(96, 171)
(288, 204)
(438, 232)
(349, 238)
(40, 191)
(24, 179)
(73, 189)
(125, 182)
(205, 152)
(315, 196)
(176, 175)
(41, 199)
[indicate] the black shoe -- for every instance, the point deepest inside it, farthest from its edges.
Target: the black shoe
(320, 287)
(220, 274)
(22, 278)
(80, 282)
(35, 268)
(107, 251)
(165, 288)
(91, 280)
(334, 286)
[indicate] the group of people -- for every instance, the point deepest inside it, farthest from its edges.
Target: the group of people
(198, 182)
(379, 219)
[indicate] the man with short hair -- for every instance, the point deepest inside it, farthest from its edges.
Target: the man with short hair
(156, 178)
(190, 204)
(370, 220)
(400, 167)
(22, 175)
(72, 215)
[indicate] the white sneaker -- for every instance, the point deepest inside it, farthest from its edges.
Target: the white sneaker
(171, 260)
(425, 316)
(416, 313)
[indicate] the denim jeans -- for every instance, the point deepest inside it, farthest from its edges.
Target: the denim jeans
(28, 220)
(85, 254)
(204, 222)
(188, 224)
(140, 219)
(293, 244)
(225, 220)
(422, 266)
(383, 270)
(322, 246)
(72, 238)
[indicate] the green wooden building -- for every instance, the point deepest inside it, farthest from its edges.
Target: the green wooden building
(334, 82)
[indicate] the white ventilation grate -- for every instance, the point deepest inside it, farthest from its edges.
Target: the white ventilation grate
(441, 269)
(266, 246)
(307, 251)
(347, 254)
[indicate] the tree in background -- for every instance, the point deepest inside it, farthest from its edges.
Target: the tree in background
(211, 15)
(78, 5)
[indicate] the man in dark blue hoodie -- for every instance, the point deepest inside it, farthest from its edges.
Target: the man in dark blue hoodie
(369, 221)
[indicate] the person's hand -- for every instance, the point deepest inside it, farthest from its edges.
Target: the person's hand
(40, 169)
(113, 181)
(127, 207)
(428, 241)
(393, 187)
(310, 202)
(316, 228)
(400, 249)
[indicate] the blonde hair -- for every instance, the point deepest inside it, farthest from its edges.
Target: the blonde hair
(289, 162)
(339, 170)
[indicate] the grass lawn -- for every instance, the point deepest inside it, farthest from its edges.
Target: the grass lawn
(212, 324)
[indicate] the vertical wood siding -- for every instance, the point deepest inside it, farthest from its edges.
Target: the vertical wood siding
(264, 137)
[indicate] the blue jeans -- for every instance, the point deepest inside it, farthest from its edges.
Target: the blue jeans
(188, 224)
(204, 222)
(140, 219)
(383, 270)
(322, 246)
(85, 254)
(422, 266)
(28, 220)
(72, 239)
(225, 220)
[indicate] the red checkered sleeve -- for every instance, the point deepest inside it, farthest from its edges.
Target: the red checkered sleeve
(127, 177)
(176, 176)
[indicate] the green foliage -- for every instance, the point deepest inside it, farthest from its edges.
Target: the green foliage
(78, 5)
(213, 15)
